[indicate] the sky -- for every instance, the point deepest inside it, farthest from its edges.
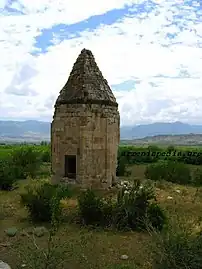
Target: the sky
(150, 52)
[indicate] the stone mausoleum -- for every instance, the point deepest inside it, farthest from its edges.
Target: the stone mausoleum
(85, 131)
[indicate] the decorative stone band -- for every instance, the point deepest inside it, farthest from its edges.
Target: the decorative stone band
(81, 101)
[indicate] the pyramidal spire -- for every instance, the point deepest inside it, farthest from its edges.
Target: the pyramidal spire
(86, 84)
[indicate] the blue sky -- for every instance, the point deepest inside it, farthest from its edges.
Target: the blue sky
(149, 51)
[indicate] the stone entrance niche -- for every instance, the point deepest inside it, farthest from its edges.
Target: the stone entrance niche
(70, 166)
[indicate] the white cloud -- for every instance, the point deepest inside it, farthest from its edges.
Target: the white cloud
(76, 10)
(134, 48)
(2, 3)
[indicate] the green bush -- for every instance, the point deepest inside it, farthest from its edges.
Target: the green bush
(139, 155)
(191, 157)
(7, 174)
(152, 154)
(107, 212)
(134, 209)
(121, 166)
(197, 177)
(46, 156)
(170, 149)
(94, 210)
(18, 164)
(89, 207)
(25, 162)
(177, 249)
(156, 216)
(156, 171)
(170, 171)
(40, 199)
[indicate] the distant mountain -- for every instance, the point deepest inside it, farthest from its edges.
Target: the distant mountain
(159, 128)
(30, 130)
(33, 131)
(165, 140)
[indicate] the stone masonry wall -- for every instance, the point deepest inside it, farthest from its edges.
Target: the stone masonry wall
(91, 132)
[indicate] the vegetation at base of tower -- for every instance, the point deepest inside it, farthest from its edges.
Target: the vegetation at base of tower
(121, 169)
(41, 199)
(135, 208)
(94, 210)
(154, 243)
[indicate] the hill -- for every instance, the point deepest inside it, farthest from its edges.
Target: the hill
(19, 131)
(159, 128)
(183, 140)
(163, 133)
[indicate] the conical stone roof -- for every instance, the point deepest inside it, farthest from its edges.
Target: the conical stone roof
(86, 84)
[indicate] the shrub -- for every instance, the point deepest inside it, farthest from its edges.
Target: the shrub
(121, 166)
(156, 216)
(153, 153)
(171, 148)
(138, 155)
(197, 177)
(26, 162)
(190, 157)
(177, 249)
(94, 210)
(7, 175)
(46, 156)
(107, 212)
(134, 209)
(89, 207)
(155, 171)
(170, 171)
(39, 199)
(49, 255)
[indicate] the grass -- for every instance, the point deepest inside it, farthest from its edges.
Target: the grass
(84, 248)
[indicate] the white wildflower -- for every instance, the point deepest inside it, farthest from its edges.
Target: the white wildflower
(169, 197)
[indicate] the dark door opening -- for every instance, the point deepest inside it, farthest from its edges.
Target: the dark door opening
(70, 166)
